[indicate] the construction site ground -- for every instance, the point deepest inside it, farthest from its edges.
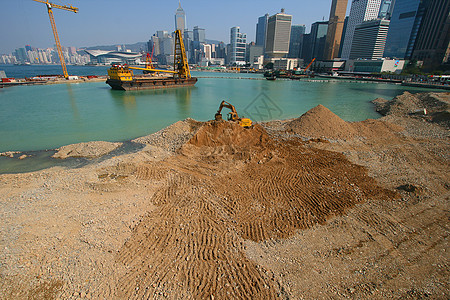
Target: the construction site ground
(308, 208)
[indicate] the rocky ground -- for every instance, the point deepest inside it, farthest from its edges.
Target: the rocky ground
(309, 208)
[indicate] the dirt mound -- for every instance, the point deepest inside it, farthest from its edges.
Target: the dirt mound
(321, 122)
(172, 137)
(210, 201)
(221, 133)
(89, 149)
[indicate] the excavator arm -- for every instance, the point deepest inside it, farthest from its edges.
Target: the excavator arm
(232, 116)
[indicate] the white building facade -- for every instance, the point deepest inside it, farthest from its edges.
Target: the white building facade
(238, 42)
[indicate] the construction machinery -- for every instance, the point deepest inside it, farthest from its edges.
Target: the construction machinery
(232, 116)
(121, 76)
(50, 6)
(307, 67)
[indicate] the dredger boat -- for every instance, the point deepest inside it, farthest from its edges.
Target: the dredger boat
(121, 77)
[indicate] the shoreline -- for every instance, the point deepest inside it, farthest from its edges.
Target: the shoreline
(130, 145)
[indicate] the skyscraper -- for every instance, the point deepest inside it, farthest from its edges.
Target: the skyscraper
(360, 11)
(369, 39)
(405, 23)
(199, 34)
(238, 42)
(261, 27)
(278, 35)
(335, 27)
(433, 40)
(180, 19)
(295, 43)
(318, 38)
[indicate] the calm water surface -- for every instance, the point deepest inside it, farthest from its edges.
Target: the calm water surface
(49, 116)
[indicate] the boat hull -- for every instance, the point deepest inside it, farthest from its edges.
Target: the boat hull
(150, 83)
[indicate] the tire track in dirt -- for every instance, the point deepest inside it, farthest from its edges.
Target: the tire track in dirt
(229, 184)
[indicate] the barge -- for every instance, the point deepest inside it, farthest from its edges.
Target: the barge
(121, 77)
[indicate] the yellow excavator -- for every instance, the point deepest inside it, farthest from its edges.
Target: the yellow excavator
(233, 115)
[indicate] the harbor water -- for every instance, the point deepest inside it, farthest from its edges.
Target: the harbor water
(48, 116)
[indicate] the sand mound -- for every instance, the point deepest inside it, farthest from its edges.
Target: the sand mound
(221, 133)
(172, 137)
(89, 150)
(321, 122)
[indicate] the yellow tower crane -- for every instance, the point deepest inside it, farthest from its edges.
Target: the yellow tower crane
(55, 32)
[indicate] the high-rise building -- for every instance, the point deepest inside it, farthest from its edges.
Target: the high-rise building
(199, 34)
(295, 43)
(180, 19)
(261, 27)
(188, 45)
(360, 11)
(433, 40)
(238, 42)
(278, 35)
(318, 38)
(307, 48)
(335, 27)
(343, 36)
(405, 23)
(369, 39)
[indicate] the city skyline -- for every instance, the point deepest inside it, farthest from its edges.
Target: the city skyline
(107, 23)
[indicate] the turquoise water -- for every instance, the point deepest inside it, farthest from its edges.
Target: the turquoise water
(49, 116)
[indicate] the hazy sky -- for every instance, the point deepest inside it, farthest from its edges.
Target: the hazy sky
(109, 22)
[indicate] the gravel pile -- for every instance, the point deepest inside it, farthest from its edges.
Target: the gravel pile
(432, 107)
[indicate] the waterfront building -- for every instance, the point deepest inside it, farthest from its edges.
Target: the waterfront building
(285, 63)
(109, 57)
(238, 46)
(254, 52)
(374, 66)
(278, 35)
(369, 39)
(360, 11)
(180, 19)
(327, 66)
(405, 23)
(335, 28)
(21, 55)
(295, 43)
(261, 27)
(432, 44)
(318, 39)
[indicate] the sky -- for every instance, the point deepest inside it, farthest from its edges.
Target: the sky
(113, 22)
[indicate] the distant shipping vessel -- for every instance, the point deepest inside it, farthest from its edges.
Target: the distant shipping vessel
(121, 76)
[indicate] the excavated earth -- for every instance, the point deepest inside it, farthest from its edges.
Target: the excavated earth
(309, 208)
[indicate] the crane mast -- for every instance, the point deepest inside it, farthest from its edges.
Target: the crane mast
(55, 31)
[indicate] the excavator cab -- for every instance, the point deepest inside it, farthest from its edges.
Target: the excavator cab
(232, 116)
